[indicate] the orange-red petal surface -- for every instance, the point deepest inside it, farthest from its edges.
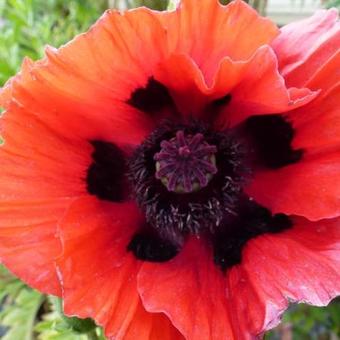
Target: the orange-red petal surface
(29, 243)
(208, 31)
(305, 45)
(185, 82)
(37, 162)
(317, 126)
(201, 52)
(191, 290)
(310, 188)
(98, 275)
(53, 108)
(98, 83)
(255, 87)
(258, 89)
(41, 171)
(150, 326)
(298, 265)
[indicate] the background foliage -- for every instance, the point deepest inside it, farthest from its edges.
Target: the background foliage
(26, 26)
(333, 3)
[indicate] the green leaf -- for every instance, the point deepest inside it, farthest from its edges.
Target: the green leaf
(10, 286)
(26, 26)
(154, 4)
(172, 5)
(22, 307)
(19, 316)
(76, 324)
(333, 3)
(53, 328)
(56, 326)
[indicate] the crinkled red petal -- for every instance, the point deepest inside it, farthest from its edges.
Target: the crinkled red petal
(256, 88)
(297, 265)
(40, 172)
(309, 188)
(191, 291)
(185, 82)
(92, 104)
(28, 242)
(37, 162)
(305, 45)
(53, 108)
(208, 32)
(80, 92)
(98, 274)
(317, 126)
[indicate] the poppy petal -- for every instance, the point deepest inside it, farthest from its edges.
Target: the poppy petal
(98, 84)
(317, 131)
(255, 87)
(98, 274)
(37, 162)
(305, 45)
(184, 79)
(28, 242)
(190, 290)
(317, 126)
(298, 265)
(199, 29)
(150, 326)
(40, 173)
(309, 188)
(85, 91)
(326, 77)
(260, 89)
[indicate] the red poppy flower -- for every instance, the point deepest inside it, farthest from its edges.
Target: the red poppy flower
(177, 175)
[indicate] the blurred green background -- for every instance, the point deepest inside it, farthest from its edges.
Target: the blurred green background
(26, 26)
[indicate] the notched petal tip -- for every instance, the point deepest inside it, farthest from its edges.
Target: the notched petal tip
(7, 90)
(256, 87)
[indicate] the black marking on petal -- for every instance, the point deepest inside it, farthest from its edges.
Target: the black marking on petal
(152, 98)
(215, 107)
(253, 220)
(105, 176)
(150, 247)
(280, 222)
(228, 251)
(271, 136)
(225, 100)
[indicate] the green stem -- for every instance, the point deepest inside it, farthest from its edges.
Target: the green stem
(92, 335)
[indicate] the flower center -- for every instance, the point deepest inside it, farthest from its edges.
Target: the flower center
(185, 163)
(187, 178)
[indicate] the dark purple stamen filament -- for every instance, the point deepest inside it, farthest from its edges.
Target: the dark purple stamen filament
(185, 163)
